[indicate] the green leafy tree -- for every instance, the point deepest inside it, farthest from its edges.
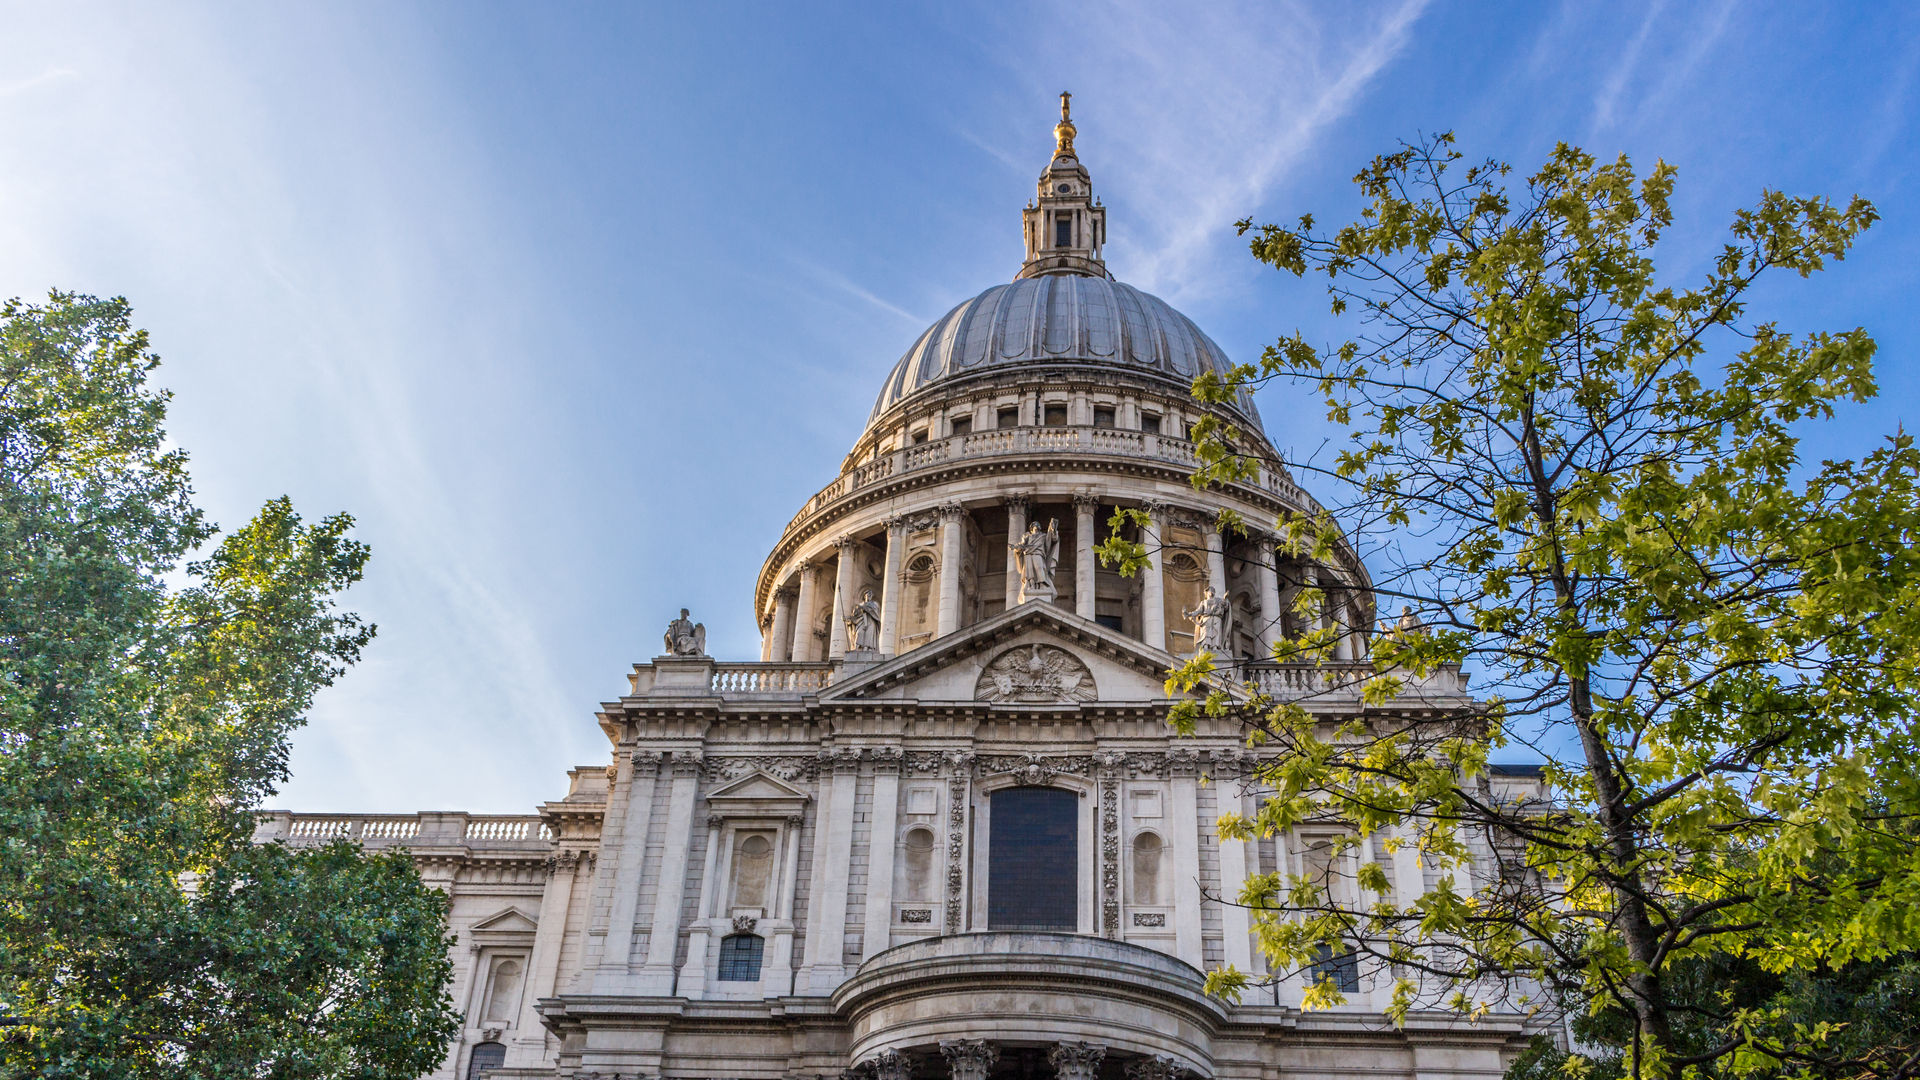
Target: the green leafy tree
(145, 706)
(1586, 482)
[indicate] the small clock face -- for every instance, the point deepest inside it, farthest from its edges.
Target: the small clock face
(1064, 188)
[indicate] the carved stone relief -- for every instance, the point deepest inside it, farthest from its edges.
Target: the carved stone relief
(1035, 675)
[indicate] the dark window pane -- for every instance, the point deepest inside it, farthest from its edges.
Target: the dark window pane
(1150, 423)
(1008, 417)
(1063, 231)
(1102, 417)
(1032, 859)
(1111, 622)
(961, 425)
(486, 1057)
(740, 957)
(1056, 416)
(1343, 969)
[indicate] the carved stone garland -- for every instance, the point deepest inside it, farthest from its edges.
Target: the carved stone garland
(961, 764)
(1110, 765)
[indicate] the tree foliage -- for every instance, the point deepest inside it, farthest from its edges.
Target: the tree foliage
(145, 706)
(1587, 483)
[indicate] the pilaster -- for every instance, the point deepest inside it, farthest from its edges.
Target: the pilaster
(656, 976)
(1184, 817)
(622, 860)
(881, 843)
(843, 599)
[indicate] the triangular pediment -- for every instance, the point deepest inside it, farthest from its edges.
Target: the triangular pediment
(757, 786)
(1035, 654)
(510, 921)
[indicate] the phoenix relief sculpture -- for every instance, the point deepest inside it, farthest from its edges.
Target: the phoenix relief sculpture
(1035, 675)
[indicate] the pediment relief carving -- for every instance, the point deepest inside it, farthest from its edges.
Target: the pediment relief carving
(1035, 674)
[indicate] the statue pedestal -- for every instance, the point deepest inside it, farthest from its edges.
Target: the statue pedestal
(856, 661)
(683, 673)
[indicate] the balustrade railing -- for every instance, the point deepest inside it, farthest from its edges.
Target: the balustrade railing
(376, 830)
(770, 678)
(1291, 681)
(1027, 440)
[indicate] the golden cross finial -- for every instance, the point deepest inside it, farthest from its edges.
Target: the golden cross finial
(1063, 132)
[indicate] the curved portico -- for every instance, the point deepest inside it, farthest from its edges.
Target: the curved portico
(1113, 1002)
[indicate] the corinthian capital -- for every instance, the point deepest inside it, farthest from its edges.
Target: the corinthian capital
(970, 1059)
(1076, 1060)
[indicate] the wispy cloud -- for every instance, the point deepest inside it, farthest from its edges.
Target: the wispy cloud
(837, 282)
(1607, 101)
(34, 82)
(1192, 117)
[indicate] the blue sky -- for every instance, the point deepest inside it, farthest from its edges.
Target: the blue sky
(573, 305)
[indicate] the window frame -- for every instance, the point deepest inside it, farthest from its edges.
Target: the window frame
(732, 960)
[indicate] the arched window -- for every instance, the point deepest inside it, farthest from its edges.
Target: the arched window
(752, 871)
(919, 864)
(740, 957)
(486, 1057)
(1147, 854)
(504, 995)
(1033, 860)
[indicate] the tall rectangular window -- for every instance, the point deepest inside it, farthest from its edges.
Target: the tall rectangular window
(1063, 231)
(1033, 860)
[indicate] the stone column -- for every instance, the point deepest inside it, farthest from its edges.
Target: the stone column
(1216, 560)
(1153, 602)
(1272, 621)
(803, 615)
(843, 598)
(529, 1047)
(656, 976)
(1085, 508)
(620, 869)
(766, 637)
(970, 1059)
(693, 973)
(880, 848)
(949, 617)
(782, 625)
(1076, 1060)
(833, 850)
(1016, 526)
(890, 588)
(777, 979)
(1184, 811)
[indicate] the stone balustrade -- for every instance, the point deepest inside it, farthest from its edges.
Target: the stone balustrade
(412, 830)
(789, 679)
(1080, 440)
(1334, 682)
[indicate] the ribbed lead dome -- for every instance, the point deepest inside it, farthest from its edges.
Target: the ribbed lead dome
(1057, 319)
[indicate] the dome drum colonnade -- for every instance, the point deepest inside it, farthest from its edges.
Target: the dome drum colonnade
(1049, 400)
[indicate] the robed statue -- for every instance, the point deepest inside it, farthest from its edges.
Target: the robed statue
(1209, 619)
(686, 637)
(863, 625)
(1037, 553)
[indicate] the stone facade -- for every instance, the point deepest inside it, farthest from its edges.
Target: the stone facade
(792, 867)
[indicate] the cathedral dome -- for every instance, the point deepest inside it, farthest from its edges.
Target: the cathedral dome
(1057, 319)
